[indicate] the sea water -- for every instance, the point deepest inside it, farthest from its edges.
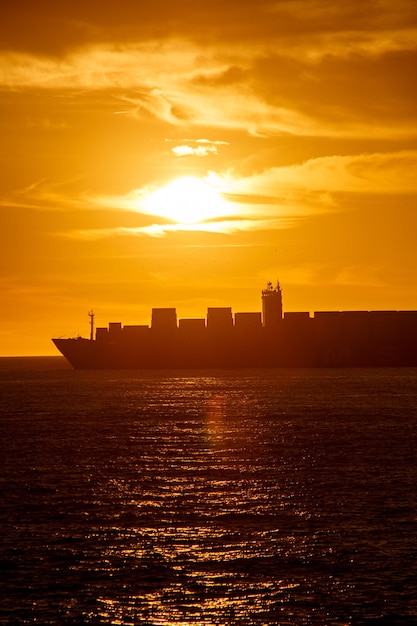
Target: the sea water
(207, 497)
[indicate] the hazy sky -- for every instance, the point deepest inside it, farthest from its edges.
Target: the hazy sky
(182, 154)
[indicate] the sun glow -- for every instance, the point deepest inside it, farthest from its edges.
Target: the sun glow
(187, 200)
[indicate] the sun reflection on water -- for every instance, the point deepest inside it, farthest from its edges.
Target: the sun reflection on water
(215, 412)
(207, 517)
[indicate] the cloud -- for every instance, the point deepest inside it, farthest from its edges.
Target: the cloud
(67, 26)
(392, 173)
(203, 148)
(327, 78)
(225, 227)
(199, 151)
(44, 196)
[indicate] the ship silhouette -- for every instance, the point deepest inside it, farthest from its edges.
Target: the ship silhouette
(250, 340)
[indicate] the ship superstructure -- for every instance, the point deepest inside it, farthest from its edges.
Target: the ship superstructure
(250, 339)
(272, 306)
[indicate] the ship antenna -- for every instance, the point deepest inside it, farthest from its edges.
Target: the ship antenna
(91, 314)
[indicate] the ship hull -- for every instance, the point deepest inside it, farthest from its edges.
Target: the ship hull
(265, 350)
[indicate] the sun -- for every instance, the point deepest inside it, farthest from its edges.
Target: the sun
(186, 200)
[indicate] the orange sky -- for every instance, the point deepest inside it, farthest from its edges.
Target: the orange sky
(293, 123)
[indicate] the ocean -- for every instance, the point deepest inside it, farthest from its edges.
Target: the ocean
(207, 497)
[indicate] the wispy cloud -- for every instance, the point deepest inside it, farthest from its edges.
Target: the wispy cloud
(43, 195)
(196, 147)
(392, 172)
(199, 151)
(225, 227)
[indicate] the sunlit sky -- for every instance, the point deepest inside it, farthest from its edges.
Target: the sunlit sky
(185, 153)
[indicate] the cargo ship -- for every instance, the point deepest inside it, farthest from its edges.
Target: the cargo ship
(265, 339)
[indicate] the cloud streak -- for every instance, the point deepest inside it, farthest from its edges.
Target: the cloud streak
(197, 147)
(392, 173)
(223, 227)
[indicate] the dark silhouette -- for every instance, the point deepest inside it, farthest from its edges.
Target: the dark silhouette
(273, 339)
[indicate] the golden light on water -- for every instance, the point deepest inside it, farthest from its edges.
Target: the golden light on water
(215, 416)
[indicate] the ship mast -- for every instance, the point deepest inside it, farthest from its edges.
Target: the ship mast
(91, 315)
